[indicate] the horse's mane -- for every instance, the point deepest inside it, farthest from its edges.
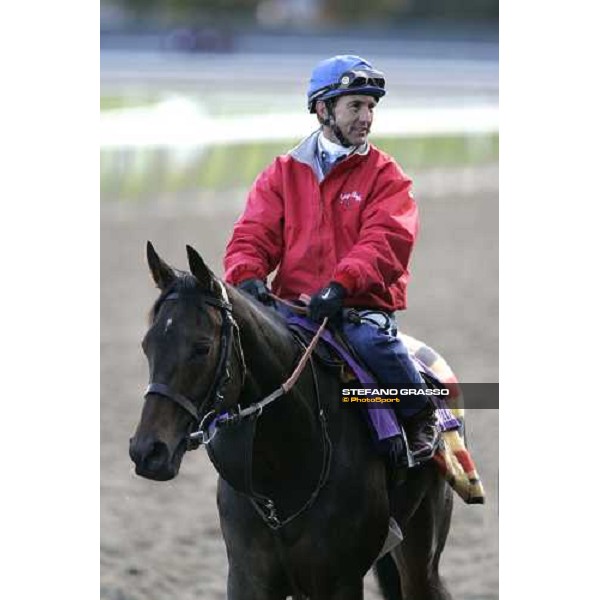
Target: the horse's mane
(263, 314)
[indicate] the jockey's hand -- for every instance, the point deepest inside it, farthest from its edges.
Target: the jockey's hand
(327, 302)
(256, 288)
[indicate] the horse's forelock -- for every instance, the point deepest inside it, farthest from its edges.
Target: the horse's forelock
(185, 283)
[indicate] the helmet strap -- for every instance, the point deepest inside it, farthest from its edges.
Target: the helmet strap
(330, 122)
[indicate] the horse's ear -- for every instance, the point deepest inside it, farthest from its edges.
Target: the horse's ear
(199, 270)
(162, 273)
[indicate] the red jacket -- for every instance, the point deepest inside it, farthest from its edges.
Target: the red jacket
(357, 227)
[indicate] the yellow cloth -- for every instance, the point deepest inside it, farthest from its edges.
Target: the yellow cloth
(453, 458)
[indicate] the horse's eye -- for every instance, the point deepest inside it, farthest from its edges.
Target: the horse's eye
(199, 350)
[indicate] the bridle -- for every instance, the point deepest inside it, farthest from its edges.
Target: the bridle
(229, 342)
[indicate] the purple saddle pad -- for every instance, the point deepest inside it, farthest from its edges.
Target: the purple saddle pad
(382, 419)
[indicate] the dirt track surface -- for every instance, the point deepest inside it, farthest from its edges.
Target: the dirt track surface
(162, 540)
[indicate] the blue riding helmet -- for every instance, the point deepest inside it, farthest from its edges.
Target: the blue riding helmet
(341, 75)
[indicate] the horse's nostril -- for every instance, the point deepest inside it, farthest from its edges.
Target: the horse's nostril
(153, 459)
(148, 453)
(157, 456)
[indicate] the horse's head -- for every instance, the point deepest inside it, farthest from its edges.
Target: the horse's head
(190, 345)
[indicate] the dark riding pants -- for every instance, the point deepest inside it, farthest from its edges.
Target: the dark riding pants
(375, 340)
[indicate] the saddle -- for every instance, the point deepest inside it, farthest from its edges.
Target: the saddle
(335, 351)
(329, 356)
(327, 353)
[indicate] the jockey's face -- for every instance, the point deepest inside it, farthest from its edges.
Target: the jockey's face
(353, 115)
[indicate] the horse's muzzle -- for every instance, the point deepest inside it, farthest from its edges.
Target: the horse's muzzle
(153, 459)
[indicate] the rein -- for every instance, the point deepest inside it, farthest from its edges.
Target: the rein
(264, 505)
(201, 436)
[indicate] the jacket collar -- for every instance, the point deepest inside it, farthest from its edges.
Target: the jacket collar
(308, 149)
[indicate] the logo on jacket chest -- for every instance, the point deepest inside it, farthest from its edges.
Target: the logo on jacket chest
(348, 198)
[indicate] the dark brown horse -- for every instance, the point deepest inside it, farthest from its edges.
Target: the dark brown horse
(302, 493)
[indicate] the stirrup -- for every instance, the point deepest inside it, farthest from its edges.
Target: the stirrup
(400, 455)
(418, 460)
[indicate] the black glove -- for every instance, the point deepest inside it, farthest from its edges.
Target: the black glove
(327, 302)
(256, 288)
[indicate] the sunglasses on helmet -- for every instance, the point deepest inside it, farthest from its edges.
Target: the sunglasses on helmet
(359, 79)
(353, 80)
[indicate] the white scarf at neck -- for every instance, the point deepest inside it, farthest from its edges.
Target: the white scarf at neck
(333, 150)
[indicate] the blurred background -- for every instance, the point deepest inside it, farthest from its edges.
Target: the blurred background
(197, 97)
(185, 83)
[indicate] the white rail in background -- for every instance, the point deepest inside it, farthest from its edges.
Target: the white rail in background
(181, 123)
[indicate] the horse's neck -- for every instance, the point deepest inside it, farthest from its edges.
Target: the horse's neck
(292, 436)
(269, 349)
(289, 432)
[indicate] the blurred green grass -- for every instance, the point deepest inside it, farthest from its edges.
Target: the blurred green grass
(120, 101)
(135, 175)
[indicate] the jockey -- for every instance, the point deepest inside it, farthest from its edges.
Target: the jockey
(337, 217)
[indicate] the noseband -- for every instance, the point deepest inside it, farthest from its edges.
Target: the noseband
(229, 341)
